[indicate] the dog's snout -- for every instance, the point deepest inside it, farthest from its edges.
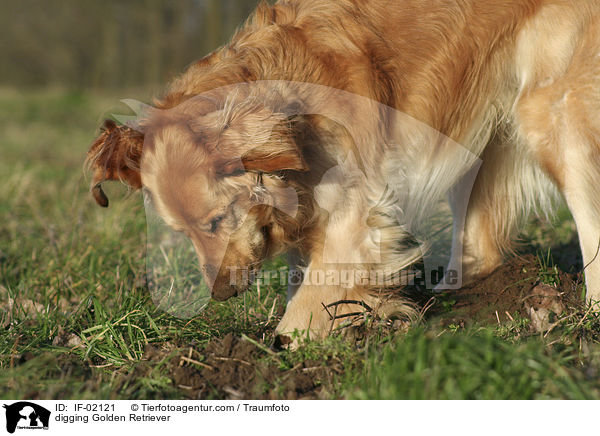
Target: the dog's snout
(222, 288)
(223, 293)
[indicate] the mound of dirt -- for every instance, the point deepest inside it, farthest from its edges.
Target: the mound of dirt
(519, 288)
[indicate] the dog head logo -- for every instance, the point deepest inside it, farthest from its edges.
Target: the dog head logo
(26, 415)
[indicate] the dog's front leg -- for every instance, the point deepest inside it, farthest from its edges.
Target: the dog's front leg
(347, 248)
(459, 198)
(306, 314)
(328, 294)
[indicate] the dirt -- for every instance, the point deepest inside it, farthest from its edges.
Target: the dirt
(240, 368)
(235, 368)
(512, 291)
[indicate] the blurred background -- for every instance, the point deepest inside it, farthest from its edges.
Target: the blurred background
(90, 44)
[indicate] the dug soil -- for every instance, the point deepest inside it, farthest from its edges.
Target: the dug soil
(235, 368)
(519, 289)
(232, 367)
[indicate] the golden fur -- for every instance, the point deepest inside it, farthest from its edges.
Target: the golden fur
(516, 82)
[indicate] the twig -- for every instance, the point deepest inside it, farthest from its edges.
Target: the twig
(425, 308)
(232, 359)
(557, 323)
(106, 365)
(195, 362)
(312, 368)
(272, 311)
(333, 318)
(348, 315)
(578, 282)
(360, 303)
(594, 258)
(189, 356)
(335, 305)
(584, 317)
(327, 310)
(260, 346)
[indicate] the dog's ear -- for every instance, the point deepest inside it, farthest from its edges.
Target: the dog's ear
(269, 158)
(266, 158)
(115, 155)
(280, 152)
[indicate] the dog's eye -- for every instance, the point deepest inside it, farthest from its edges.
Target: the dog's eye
(214, 224)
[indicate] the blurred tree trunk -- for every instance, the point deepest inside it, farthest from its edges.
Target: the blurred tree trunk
(213, 22)
(113, 43)
(108, 68)
(154, 41)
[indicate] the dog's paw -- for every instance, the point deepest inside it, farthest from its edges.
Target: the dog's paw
(289, 335)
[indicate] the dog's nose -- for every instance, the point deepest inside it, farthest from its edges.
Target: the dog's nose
(222, 289)
(223, 293)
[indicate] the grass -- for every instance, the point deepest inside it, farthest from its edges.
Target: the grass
(474, 366)
(76, 318)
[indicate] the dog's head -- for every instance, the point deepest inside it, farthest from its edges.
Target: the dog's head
(220, 176)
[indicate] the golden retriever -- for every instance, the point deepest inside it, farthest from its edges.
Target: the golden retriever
(515, 82)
